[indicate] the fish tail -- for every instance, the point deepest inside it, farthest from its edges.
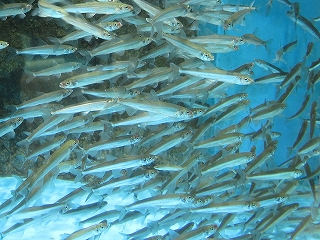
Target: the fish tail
(30, 74)
(268, 45)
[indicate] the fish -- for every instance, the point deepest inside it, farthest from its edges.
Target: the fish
(189, 47)
(8, 126)
(94, 230)
(47, 50)
(220, 75)
(13, 9)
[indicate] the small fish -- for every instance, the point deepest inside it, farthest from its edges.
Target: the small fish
(13, 9)
(189, 47)
(302, 108)
(47, 50)
(92, 231)
(8, 126)
(276, 174)
(313, 117)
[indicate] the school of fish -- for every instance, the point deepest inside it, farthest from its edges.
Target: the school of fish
(159, 140)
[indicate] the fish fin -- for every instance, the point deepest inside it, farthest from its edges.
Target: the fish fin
(268, 45)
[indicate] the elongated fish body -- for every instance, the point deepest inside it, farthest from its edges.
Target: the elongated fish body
(153, 11)
(230, 161)
(119, 92)
(13, 9)
(219, 75)
(177, 85)
(163, 131)
(112, 216)
(313, 117)
(158, 107)
(199, 233)
(47, 50)
(49, 10)
(59, 155)
(167, 200)
(120, 45)
(89, 232)
(226, 102)
(302, 225)
(267, 66)
(227, 207)
(55, 96)
(189, 47)
(291, 75)
(171, 183)
(220, 140)
(271, 78)
(152, 79)
(216, 188)
(56, 142)
(272, 200)
(171, 12)
(236, 18)
(86, 26)
(122, 163)
(86, 79)
(99, 8)
(77, 121)
(170, 141)
(113, 143)
(92, 105)
(309, 146)
(305, 24)
(217, 39)
(276, 174)
(261, 158)
(125, 181)
(58, 69)
(10, 125)
(282, 213)
(269, 112)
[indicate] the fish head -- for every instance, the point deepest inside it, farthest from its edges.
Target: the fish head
(76, 65)
(297, 173)
(150, 173)
(65, 84)
(187, 9)
(246, 80)
(227, 24)
(179, 126)
(188, 198)
(26, 8)
(103, 226)
(149, 159)
(106, 35)
(135, 139)
(239, 41)
(243, 96)
(210, 229)
(16, 121)
(124, 8)
(281, 198)
(114, 25)
(3, 44)
(206, 56)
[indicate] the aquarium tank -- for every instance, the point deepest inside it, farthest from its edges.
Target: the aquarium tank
(159, 119)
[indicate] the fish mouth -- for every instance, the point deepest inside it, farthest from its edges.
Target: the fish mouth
(62, 85)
